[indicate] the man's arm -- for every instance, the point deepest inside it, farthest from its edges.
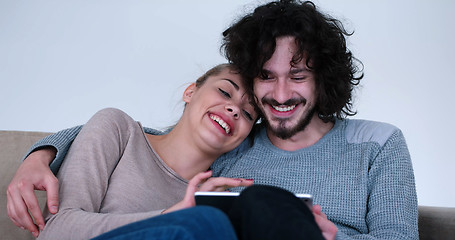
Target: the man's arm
(34, 174)
(392, 201)
(60, 142)
(392, 198)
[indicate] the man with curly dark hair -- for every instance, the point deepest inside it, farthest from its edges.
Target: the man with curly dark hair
(319, 44)
(302, 74)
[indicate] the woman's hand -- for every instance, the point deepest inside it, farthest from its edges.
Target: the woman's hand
(204, 182)
(33, 174)
(328, 228)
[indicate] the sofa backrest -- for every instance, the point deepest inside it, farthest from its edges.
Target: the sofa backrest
(13, 146)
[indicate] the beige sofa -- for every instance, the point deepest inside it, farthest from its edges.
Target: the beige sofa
(434, 222)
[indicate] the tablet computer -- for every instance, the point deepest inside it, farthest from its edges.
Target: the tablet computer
(224, 200)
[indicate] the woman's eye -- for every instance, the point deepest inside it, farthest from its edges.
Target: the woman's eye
(248, 115)
(226, 94)
(264, 76)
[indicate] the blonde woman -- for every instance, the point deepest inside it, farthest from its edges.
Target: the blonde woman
(115, 174)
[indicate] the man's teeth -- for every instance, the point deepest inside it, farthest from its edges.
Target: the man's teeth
(284, 109)
(222, 123)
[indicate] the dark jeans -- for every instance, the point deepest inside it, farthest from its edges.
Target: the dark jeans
(189, 224)
(266, 212)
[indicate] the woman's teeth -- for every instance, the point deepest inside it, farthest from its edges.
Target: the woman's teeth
(222, 123)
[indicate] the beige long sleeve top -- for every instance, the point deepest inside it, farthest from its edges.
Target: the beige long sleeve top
(110, 177)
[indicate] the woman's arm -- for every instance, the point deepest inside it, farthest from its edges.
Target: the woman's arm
(109, 180)
(86, 179)
(41, 162)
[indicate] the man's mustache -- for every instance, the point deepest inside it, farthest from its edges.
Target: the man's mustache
(289, 102)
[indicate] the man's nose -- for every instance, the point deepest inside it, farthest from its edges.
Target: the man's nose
(282, 91)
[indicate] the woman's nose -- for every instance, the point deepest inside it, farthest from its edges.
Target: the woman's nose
(233, 110)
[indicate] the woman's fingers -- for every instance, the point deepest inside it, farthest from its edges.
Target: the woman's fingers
(196, 181)
(220, 184)
(193, 186)
(204, 182)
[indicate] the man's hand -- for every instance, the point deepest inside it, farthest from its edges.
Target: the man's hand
(328, 228)
(33, 174)
(204, 182)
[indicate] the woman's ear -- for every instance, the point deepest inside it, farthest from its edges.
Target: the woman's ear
(188, 93)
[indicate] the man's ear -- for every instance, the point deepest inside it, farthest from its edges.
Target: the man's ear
(188, 93)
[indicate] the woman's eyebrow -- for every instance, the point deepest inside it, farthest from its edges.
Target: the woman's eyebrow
(233, 83)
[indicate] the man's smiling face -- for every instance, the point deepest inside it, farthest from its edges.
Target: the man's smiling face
(287, 96)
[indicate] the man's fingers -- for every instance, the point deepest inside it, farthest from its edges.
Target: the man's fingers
(328, 228)
(317, 209)
(33, 207)
(52, 194)
(17, 210)
(29, 198)
(11, 211)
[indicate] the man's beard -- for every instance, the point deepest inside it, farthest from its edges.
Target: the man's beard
(284, 132)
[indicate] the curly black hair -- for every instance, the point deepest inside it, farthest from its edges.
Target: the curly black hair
(251, 41)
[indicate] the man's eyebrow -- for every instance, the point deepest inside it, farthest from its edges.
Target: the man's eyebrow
(266, 71)
(298, 70)
(292, 71)
(233, 83)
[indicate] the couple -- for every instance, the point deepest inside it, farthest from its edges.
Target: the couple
(295, 61)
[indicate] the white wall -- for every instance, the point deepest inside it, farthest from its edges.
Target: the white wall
(61, 61)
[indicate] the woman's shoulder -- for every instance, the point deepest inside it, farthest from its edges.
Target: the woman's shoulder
(112, 113)
(108, 119)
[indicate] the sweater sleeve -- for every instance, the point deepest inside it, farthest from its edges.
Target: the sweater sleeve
(85, 177)
(61, 141)
(392, 202)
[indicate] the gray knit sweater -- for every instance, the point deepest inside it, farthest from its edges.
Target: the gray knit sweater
(360, 173)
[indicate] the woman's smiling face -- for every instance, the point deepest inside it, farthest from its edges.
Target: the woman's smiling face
(220, 110)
